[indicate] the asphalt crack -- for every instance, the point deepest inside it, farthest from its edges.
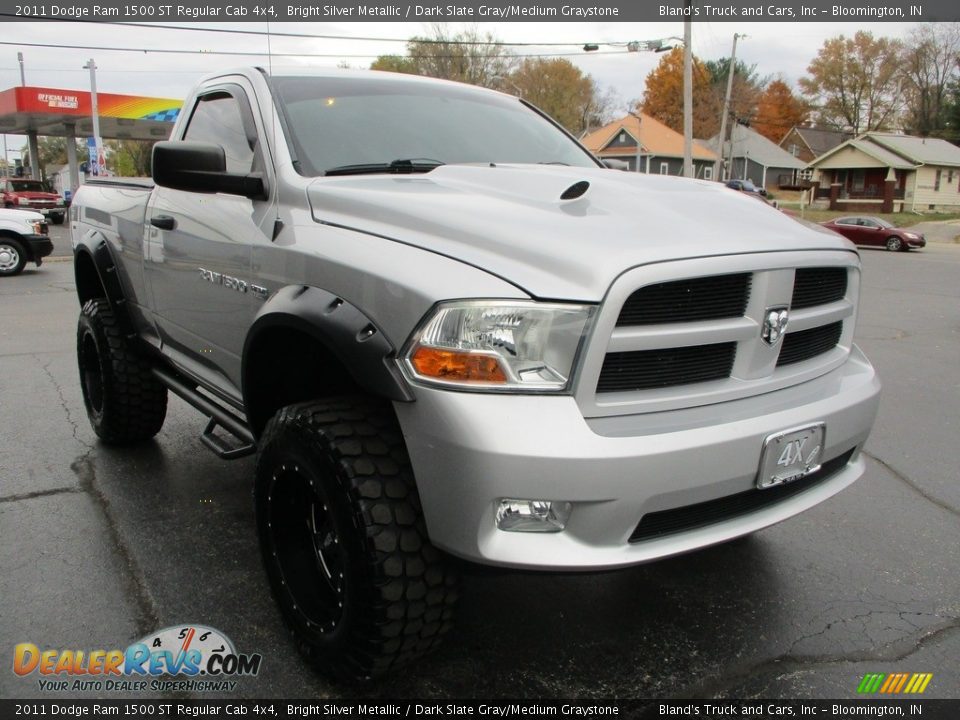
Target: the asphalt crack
(40, 493)
(895, 651)
(75, 428)
(146, 616)
(943, 505)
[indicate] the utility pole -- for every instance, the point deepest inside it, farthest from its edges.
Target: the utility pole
(23, 76)
(688, 93)
(732, 68)
(92, 67)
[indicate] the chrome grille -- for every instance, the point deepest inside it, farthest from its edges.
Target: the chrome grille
(688, 333)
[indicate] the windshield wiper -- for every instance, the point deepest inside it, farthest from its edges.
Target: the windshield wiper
(397, 167)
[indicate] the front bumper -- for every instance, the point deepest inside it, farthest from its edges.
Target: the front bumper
(470, 450)
(45, 211)
(919, 243)
(39, 246)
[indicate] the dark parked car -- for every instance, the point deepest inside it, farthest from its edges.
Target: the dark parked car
(746, 186)
(874, 231)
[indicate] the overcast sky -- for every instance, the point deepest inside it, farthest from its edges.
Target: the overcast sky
(775, 48)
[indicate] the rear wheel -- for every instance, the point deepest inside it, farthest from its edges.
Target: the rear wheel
(359, 585)
(124, 401)
(895, 244)
(12, 257)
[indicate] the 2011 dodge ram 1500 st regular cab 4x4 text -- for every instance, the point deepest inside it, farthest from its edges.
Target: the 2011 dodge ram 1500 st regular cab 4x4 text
(446, 329)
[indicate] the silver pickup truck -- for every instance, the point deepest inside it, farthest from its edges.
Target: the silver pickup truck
(446, 330)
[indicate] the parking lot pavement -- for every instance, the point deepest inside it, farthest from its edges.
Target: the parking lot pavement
(101, 545)
(60, 234)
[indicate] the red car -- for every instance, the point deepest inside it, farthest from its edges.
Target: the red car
(877, 232)
(23, 194)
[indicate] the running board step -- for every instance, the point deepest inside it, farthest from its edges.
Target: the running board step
(218, 417)
(219, 445)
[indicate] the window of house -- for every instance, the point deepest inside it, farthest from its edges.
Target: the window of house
(708, 173)
(664, 168)
(936, 181)
(794, 149)
(217, 120)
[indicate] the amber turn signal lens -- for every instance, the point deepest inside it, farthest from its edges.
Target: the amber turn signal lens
(459, 366)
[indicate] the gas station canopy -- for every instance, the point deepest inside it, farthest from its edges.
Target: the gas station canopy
(66, 113)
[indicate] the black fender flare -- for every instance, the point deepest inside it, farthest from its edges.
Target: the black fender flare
(343, 329)
(100, 252)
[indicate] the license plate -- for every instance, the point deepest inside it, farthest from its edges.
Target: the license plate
(790, 455)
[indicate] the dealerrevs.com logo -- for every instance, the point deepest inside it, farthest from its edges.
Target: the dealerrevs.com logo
(179, 658)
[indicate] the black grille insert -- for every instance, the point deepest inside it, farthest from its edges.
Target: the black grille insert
(645, 369)
(806, 344)
(666, 522)
(818, 286)
(690, 300)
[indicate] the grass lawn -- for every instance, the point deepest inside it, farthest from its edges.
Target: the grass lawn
(791, 199)
(898, 219)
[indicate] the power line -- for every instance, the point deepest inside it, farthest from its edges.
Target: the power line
(238, 53)
(426, 41)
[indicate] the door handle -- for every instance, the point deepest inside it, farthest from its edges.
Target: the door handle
(164, 222)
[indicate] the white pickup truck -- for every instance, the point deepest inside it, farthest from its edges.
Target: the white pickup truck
(447, 330)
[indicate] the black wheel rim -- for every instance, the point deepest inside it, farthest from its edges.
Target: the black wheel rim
(306, 548)
(90, 373)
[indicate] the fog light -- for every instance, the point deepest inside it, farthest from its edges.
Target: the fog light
(545, 516)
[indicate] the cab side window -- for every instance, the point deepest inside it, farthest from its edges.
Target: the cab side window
(217, 119)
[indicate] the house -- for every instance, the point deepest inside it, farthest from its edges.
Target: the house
(647, 146)
(753, 157)
(887, 172)
(809, 143)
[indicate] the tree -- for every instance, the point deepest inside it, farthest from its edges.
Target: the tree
(778, 110)
(467, 56)
(663, 95)
(929, 66)
(52, 151)
(951, 113)
(130, 158)
(560, 89)
(856, 82)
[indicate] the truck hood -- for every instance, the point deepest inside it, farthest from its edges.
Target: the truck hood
(510, 220)
(20, 216)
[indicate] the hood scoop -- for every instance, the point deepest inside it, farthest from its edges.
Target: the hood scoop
(577, 190)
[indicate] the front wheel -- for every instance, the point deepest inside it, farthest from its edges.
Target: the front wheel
(359, 585)
(894, 244)
(12, 257)
(57, 219)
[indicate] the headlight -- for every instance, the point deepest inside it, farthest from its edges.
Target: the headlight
(494, 345)
(23, 201)
(912, 236)
(59, 202)
(37, 227)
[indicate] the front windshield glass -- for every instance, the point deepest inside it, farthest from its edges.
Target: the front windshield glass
(28, 186)
(337, 122)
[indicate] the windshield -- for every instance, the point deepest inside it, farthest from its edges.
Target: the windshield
(351, 121)
(28, 186)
